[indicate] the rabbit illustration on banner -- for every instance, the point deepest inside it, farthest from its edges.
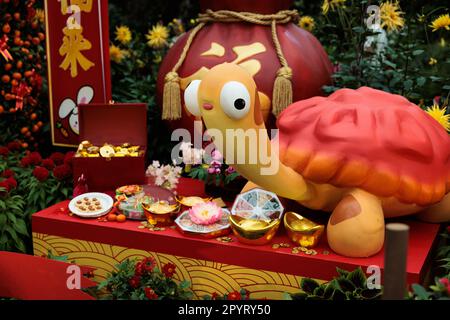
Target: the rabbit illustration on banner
(69, 109)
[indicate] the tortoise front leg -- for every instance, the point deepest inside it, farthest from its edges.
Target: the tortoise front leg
(356, 226)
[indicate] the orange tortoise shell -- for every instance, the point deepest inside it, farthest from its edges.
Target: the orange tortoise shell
(370, 139)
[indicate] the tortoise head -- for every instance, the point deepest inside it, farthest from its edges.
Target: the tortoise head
(226, 98)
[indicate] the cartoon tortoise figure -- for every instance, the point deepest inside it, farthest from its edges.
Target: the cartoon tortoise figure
(361, 154)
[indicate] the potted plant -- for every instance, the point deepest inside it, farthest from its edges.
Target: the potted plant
(221, 180)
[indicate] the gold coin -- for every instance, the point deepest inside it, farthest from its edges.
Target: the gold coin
(325, 252)
(303, 249)
(275, 246)
(107, 151)
(294, 251)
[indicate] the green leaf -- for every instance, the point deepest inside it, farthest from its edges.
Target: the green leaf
(345, 284)
(12, 233)
(417, 52)
(421, 81)
(298, 296)
(185, 284)
(308, 285)
(11, 217)
(358, 278)
(21, 227)
(2, 219)
(20, 246)
(342, 272)
(420, 292)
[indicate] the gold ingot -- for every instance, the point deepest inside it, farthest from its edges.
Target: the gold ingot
(93, 149)
(161, 213)
(302, 231)
(124, 151)
(92, 155)
(133, 149)
(119, 155)
(107, 151)
(191, 201)
(134, 154)
(253, 231)
(85, 144)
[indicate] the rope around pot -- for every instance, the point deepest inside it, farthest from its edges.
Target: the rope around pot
(282, 88)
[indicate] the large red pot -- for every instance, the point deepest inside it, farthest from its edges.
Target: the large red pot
(251, 46)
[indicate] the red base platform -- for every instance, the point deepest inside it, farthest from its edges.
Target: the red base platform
(54, 229)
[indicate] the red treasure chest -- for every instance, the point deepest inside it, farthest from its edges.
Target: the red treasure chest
(113, 124)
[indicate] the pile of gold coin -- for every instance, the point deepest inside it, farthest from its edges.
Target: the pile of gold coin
(87, 149)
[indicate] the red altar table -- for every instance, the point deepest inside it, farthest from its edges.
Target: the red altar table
(210, 265)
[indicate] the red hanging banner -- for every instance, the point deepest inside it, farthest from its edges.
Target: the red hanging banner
(78, 62)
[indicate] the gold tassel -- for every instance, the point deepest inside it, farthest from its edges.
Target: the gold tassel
(171, 97)
(282, 90)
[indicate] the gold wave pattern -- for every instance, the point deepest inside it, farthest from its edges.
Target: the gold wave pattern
(206, 277)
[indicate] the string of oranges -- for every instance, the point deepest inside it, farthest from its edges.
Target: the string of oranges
(23, 110)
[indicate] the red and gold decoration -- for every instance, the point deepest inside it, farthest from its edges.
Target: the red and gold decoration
(220, 264)
(287, 62)
(78, 62)
(113, 147)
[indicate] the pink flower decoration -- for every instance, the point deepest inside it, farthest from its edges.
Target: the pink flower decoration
(205, 213)
(216, 155)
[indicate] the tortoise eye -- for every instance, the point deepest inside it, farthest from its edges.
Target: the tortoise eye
(235, 99)
(191, 98)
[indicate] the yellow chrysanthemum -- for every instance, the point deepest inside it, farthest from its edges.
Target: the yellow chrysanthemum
(116, 54)
(441, 22)
(123, 34)
(157, 36)
(307, 23)
(432, 61)
(439, 115)
(391, 16)
(40, 15)
(332, 4)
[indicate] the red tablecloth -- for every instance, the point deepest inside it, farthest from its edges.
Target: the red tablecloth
(56, 221)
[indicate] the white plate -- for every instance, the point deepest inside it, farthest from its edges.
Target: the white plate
(105, 200)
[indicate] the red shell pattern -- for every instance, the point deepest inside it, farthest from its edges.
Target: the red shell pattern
(368, 138)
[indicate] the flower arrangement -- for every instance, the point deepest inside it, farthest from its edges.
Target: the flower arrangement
(143, 280)
(214, 172)
(166, 176)
(205, 213)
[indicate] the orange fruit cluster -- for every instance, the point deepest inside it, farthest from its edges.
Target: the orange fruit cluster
(25, 42)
